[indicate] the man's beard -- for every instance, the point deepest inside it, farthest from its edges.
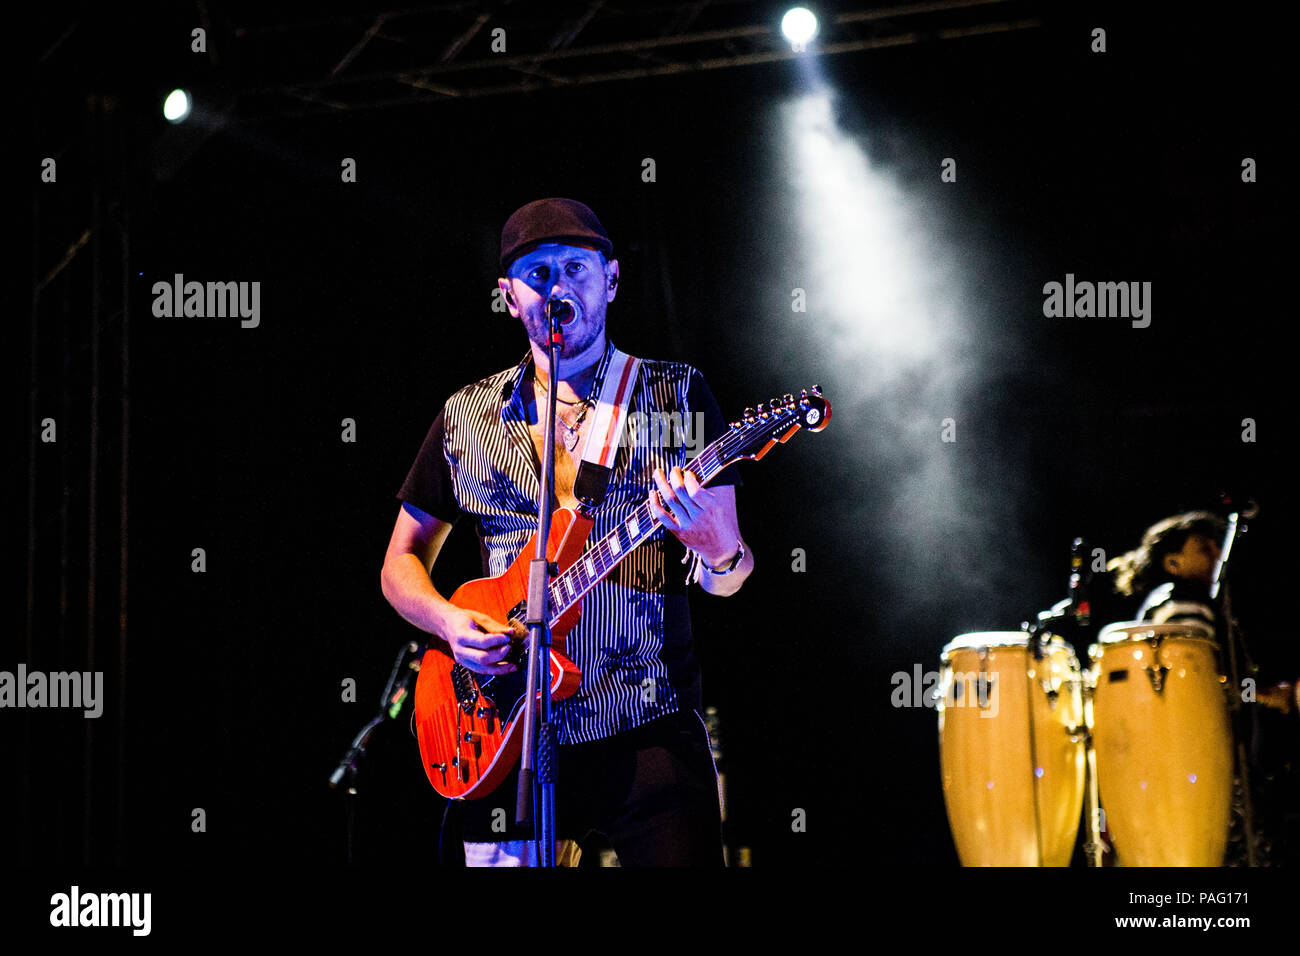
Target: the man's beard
(575, 339)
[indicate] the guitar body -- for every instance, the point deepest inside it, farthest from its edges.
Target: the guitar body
(470, 726)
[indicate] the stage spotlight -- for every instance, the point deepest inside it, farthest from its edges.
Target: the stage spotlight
(177, 106)
(799, 26)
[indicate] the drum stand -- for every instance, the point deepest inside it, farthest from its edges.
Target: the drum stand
(1092, 846)
(1232, 637)
(1238, 718)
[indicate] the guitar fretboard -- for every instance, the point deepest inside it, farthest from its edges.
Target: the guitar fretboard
(595, 563)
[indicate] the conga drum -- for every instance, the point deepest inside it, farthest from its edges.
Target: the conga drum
(1163, 743)
(1011, 748)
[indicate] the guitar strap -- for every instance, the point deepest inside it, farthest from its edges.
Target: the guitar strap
(600, 447)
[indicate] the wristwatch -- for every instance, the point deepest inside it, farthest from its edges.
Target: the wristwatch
(731, 565)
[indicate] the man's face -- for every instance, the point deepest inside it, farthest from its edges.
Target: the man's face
(565, 272)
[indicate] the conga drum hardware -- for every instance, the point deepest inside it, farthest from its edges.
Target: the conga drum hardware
(1051, 686)
(1156, 674)
(1155, 671)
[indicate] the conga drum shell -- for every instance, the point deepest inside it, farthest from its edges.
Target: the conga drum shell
(1163, 743)
(1011, 749)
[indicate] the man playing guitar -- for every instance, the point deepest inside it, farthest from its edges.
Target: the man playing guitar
(634, 763)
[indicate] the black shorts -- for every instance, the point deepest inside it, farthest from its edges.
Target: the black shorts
(651, 792)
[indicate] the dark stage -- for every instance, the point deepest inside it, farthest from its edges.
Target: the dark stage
(880, 215)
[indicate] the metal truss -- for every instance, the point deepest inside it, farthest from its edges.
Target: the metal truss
(445, 52)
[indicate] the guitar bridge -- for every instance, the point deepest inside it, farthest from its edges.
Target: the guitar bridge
(462, 682)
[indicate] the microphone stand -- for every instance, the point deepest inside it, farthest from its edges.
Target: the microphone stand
(538, 758)
(1238, 713)
(396, 691)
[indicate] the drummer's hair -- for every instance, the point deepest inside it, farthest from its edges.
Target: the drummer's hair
(1139, 570)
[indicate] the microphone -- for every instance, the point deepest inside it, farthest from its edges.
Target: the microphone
(561, 309)
(557, 311)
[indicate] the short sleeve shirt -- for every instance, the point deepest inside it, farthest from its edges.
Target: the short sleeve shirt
(633, 641)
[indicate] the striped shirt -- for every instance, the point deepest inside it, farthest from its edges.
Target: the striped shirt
(1172, 602)
(633, 641)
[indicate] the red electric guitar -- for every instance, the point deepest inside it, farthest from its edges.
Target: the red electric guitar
(470, 725)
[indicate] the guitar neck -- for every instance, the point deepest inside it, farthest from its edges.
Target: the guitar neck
(595, 564)
(749, 437)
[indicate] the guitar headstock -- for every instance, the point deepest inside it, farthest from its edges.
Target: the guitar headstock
(759, 428)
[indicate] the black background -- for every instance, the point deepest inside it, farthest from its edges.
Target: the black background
(376, 306)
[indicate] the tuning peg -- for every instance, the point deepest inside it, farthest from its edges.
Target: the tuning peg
(735, 426)
(789, 400)
(761, 410)
(817, 390)
(748, 413)
(803, 393)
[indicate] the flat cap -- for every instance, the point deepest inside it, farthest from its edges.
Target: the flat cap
(551, 220)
